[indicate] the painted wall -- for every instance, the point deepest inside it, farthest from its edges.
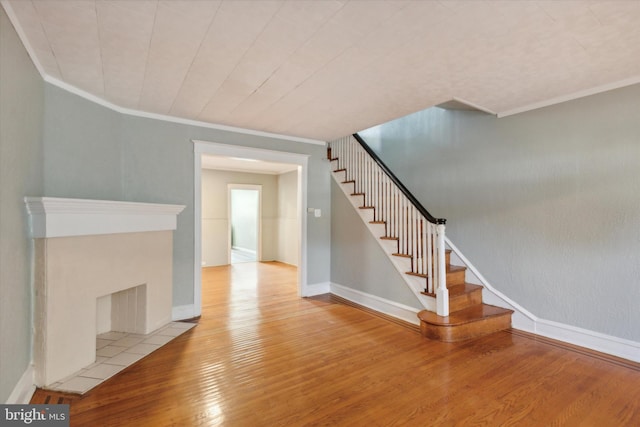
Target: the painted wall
(357, 260)
(215, 211)
(133, 158)
(21, 114)
(545, 203)
(288, 227)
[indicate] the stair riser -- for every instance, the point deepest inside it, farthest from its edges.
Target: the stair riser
(464, 301)
(455, 278)
(464, 332)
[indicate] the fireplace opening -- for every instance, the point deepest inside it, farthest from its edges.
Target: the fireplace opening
(123, 311)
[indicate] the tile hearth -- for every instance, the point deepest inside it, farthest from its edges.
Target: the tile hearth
(116, 351)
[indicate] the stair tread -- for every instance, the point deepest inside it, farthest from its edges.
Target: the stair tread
(377, 222)
(450, 269)
(467, 315)
(402, 255)
(465, 288)
(388, 238)
(458, 290)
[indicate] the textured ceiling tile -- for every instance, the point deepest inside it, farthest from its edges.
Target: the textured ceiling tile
(345, 28)
(360, 60)
(292, 26)
(177, 34)
(125, 32)
(622, 14)
(236, 26)
(71, 28)
(37, 38)
(328, 68)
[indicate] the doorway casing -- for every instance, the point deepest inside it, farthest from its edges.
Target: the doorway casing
(301, 160)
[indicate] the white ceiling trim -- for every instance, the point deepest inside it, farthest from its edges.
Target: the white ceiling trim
(131, 112)
(137, 113)
(572, 96)
(23, 37)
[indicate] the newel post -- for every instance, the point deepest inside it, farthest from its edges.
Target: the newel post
(442, 293)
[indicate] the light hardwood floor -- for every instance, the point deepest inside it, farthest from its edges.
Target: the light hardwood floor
(261, 356)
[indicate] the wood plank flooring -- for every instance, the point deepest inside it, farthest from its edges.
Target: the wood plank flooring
(261, 356)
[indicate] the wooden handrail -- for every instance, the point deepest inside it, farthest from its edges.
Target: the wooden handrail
(398, 183)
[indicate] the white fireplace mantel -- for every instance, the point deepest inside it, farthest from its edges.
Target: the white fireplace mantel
(57, 217)
(90, 250)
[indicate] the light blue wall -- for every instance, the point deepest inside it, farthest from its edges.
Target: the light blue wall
(21, 115)
(82, 149)
(545, 203)
(94, 152)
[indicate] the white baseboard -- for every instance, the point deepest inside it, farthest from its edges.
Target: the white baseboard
(23, 391)
(316, 289)
(183, 312)
(603, 343)
(390, 308)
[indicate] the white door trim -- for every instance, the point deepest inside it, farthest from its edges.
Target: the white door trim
(213, 148)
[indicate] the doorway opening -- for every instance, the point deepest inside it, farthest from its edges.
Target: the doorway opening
(245, 231)
(205, 148)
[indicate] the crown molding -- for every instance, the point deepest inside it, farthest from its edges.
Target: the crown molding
(571, 96)
(172, 119)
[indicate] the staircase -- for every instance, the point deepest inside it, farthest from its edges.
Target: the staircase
(414, 241)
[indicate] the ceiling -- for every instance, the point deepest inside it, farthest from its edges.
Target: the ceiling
(325, 69)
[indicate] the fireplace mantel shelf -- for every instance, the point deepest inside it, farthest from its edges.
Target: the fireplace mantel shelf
(59, 217)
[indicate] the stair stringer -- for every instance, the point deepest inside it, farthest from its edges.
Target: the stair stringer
(402, 265)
